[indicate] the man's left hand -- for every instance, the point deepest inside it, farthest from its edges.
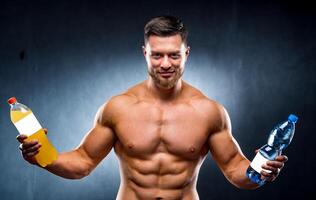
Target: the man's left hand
(274, 166)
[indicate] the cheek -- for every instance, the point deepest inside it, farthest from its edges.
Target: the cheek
(178, 63)
(154, 63)
(151, 66)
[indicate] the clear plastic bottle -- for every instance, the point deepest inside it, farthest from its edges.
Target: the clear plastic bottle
(26, 123)
(279, 138)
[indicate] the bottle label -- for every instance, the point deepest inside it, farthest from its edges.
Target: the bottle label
(28, 125)
(258, 161)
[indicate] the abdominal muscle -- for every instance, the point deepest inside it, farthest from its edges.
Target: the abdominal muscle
(158, 176)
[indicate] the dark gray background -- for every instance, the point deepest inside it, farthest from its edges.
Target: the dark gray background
(64, 59)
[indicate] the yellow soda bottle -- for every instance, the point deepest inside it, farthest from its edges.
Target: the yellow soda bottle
(24, 120)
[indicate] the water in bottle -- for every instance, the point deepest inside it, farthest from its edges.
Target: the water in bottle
(279, 138)
(26, 123)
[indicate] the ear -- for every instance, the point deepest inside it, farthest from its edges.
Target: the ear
(144, 51)
(187, 52)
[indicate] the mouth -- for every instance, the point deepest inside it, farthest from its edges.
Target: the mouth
(166, 74)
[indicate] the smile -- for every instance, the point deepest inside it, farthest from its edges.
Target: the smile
(166, 74)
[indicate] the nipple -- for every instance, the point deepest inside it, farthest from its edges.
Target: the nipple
(192, 149)
(130, 145)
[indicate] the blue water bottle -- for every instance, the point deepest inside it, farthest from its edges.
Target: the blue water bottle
(279, 138)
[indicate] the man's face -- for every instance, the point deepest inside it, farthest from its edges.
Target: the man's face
(166, 57)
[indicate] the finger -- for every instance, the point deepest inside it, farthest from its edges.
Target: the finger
(29, 144)
(266, 174)
(270, 169)
(21, 138)
(30, 155)
(267, 177)
(31, 149)
(45, 130)
(275, 164)
(282, 158)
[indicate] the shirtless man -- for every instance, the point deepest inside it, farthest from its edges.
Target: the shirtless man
(161, 129)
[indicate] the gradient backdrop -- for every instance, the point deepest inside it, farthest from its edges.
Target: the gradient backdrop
(64, 59)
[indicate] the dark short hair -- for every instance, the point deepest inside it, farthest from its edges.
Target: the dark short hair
(165, 26)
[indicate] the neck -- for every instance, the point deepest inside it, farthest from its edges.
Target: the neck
(164, 94)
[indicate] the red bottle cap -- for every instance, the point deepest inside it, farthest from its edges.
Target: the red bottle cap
(12, 100)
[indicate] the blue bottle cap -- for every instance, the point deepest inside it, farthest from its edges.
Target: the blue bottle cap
(293, 118)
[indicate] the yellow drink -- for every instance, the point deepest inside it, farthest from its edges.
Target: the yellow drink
(47, 153)
(27, 124)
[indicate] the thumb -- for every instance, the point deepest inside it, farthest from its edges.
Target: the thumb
(21, 138)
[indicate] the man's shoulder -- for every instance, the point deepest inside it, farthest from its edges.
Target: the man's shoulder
(126, 98)
(210, 107)
(112, 108)
(214, 112)
(121, 100)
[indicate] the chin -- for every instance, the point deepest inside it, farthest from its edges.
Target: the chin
(164, 83)
(167, 85)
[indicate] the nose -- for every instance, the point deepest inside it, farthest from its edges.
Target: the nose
(165, 63)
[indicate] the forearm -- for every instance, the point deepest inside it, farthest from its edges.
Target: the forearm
(238, 176)
(70, 165)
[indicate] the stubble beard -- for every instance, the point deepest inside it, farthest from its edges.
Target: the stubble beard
(165, 83)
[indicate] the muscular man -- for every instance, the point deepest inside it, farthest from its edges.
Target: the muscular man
(161, 129)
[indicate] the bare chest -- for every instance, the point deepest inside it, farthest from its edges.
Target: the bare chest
(145, 129)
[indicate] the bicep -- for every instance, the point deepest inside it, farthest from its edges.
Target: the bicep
(225, 150)
(100, 139)
(223, 146)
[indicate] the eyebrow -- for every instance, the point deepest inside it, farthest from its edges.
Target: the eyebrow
(168, 52)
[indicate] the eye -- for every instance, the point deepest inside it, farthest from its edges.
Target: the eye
(175, 56)
(156, 55)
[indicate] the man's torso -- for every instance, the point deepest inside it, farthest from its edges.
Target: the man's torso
(161, 145)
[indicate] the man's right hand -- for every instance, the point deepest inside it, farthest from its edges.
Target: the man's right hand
(29, 148)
